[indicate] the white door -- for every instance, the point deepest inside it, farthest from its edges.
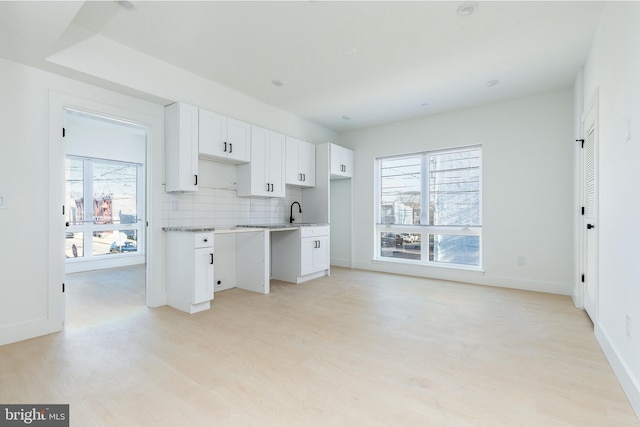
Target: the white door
(590, 217)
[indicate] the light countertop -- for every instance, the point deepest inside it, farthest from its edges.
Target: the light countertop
(243, 228)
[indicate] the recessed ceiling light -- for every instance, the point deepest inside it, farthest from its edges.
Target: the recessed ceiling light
(346, 118)
(491, 83)
(277, 82)
(467, 8)
(126, 4)
(349, 50)
(424, 104)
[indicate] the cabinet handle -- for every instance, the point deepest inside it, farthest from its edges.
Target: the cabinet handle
(225, 147)
(267, 186)
(272, 188)
(299, 177)
(318, 244)
(304, 177)
(230, 148)
(196, 179)
(211, 259)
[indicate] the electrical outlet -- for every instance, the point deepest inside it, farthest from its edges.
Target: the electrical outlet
(522, 260)
(628, 326)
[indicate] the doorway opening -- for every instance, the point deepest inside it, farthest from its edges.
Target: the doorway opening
(105, 218)
(104, 192)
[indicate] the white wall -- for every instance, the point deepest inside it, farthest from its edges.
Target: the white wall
(613, 67)
(25, 224)
(527, 188)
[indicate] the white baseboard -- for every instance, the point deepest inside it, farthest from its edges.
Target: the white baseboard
(629, 383)
(341, 262)
(78, 266)
(465, 276)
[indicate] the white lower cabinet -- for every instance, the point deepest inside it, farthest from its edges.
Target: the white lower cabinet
(189, 270)
(300, 255)
(314, 254)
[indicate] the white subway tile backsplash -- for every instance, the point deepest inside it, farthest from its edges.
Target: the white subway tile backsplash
(212, 206)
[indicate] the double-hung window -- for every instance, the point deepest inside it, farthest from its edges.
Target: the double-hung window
(429, 208)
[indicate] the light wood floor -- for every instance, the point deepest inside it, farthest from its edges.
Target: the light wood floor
(355, 349)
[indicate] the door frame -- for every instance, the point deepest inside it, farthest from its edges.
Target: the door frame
(121, 107)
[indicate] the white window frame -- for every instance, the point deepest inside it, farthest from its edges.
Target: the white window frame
(88, 227)
(424, 229)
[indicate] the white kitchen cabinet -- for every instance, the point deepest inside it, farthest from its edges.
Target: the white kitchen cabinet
(300, 163)
(264, 175)
(181, 147)
(314, 252)
(341, 162)
(300, 255)
(189, 270)
(222, 138)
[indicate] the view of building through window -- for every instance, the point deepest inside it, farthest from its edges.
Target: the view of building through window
(433, 197)
(102, 207)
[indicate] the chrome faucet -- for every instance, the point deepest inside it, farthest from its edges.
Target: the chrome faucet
(291, 219)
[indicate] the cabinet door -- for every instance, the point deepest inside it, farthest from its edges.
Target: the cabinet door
(239, 141)
(213, 133)
(307, 255)
(275, 166)
(181, 147)
(292, 170)
(307, 164)
(334, 154)
(258, 166)
(314, 254)
(322, 254)
(341, 162)
(203, 275)
(347, 161)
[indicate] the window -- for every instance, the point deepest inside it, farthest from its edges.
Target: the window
(432, 197)
(104, 199)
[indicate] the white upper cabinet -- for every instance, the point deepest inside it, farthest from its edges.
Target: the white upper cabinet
(181, 147)
(341, 162)
(223, 138)
(300, 163)
(264, 175)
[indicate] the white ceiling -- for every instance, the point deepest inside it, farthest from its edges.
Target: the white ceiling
(376, 62)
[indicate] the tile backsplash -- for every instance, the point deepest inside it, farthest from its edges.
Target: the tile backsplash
(216, 204)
